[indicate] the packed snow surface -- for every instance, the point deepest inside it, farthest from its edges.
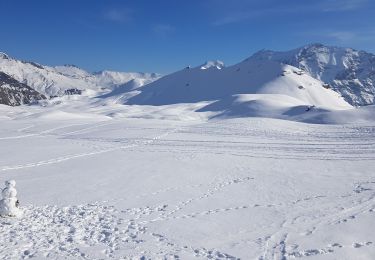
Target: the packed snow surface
(143, 182)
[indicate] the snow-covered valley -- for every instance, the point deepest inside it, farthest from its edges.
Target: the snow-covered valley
(125, 182)
(270, 158)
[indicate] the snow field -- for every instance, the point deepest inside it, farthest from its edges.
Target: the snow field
(252, 188)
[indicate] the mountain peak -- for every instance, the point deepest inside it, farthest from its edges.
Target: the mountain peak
(71, 66)
(346, 70)
(4, 56)
(216, 64)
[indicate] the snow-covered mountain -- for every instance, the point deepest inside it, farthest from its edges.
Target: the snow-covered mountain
(252, 87)
(67, 79)
(345, 70)
(14, 93)
(106, 79)
(44, 79)
(309, 75)
(112, 79)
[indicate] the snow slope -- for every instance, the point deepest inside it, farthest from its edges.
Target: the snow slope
(250, 88)
(95, 185)
(347, 71)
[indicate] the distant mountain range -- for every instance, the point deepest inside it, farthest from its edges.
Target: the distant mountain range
(48, 82)
(309, 74)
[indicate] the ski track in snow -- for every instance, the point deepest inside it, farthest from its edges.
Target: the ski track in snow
(101, 230)
(79, 155)
(50, 131)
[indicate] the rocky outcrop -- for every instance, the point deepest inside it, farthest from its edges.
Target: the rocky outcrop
(15, 93)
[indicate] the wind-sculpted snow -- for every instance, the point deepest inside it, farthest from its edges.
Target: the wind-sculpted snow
(135, 188)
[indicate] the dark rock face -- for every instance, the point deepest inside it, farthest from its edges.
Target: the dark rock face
(15, 93)
(73, 91)
(34, 64)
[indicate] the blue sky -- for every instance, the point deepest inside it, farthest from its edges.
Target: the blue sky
(166, 35)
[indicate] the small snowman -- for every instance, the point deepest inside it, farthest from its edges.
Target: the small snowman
(9, 203)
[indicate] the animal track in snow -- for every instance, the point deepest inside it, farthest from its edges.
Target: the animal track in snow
(213, 254)
(327, 250)
(217, 187)
(61, 232)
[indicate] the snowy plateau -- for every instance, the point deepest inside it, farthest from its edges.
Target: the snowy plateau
(270, 158)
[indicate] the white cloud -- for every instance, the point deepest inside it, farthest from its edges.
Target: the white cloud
(119, 15)
(346, 38)
(246, 10)
(343, 5)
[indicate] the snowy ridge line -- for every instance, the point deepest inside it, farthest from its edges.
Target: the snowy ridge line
(74, 156)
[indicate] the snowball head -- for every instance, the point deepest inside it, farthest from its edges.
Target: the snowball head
(10, 183)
